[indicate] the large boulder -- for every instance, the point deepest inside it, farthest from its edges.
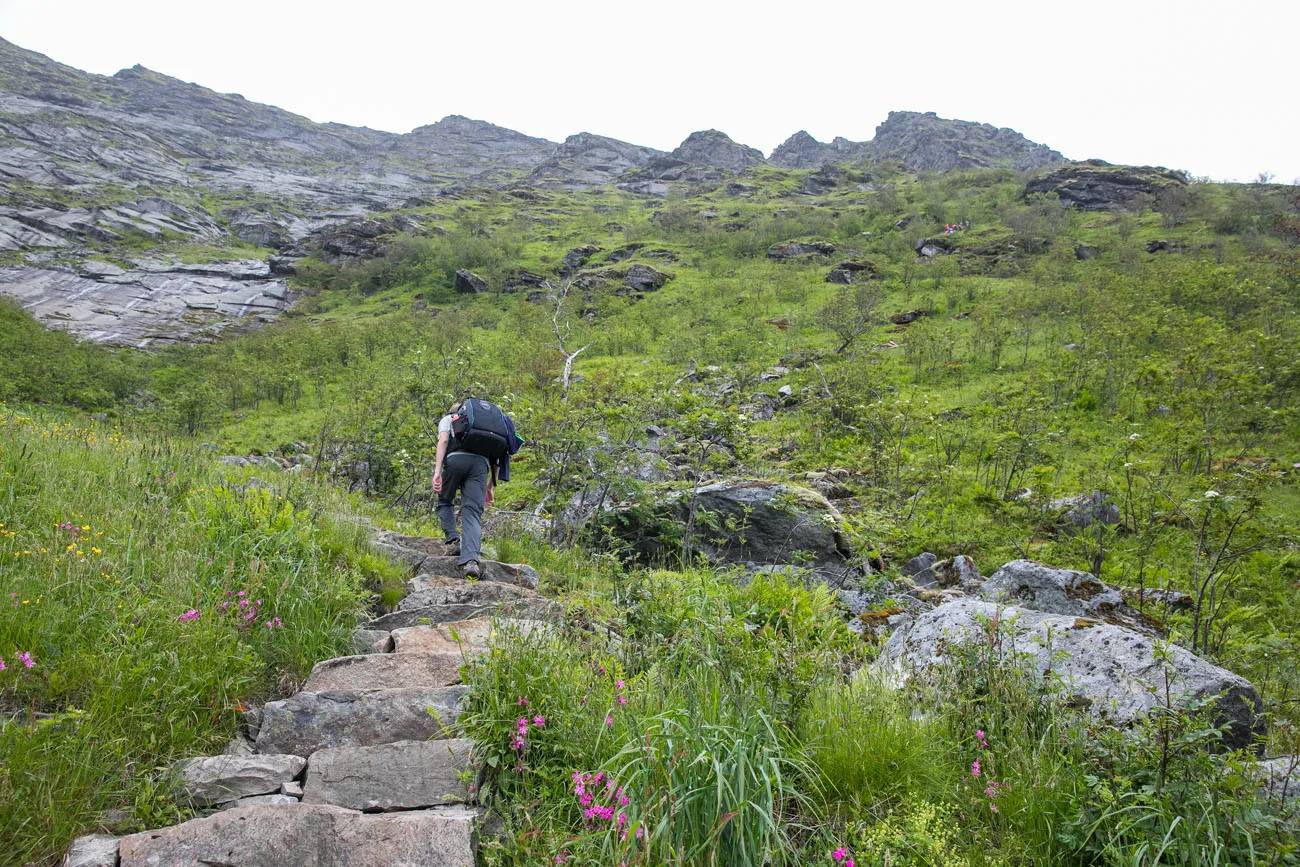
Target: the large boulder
(1108, 669)
(220, 779)
(469, 283)
(310, 835)
(740, 522)
(1063, 591)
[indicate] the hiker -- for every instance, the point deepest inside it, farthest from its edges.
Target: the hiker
(475, 441)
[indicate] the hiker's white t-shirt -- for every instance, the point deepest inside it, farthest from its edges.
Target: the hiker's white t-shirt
(444, 424)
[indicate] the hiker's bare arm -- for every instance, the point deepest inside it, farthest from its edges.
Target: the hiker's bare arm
(437, 465)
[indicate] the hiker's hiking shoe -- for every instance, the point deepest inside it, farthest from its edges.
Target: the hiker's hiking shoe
(471, 569)
(451, 547)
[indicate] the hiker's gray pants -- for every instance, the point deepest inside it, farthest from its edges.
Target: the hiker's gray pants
(467, 473)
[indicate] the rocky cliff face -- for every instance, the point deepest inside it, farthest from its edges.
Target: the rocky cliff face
(929, 143)
(89, 161)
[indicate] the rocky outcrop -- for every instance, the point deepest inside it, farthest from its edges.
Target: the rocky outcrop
(713, 148)
(586, 160)
(802, 151)
(929, 143)
(152, 303)
(794, 249)
(469, 283)
(643, 278)
(1112, 671)
(765, 523)
(1095, 185)
(799, 151)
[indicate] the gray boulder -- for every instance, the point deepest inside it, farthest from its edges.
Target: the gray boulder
(93, 850)
(402, 776)
(921, 570)
(261, 800)
(469, 283)
(1108, 669)
(1063, 591)
(308, 721)
(959, 571)
(576, 258)
(794, 249)
(643, 278)
(1081, 512)
(739, 522)
(310, 835)
(220, 779)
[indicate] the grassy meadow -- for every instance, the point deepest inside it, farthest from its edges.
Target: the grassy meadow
(687, 717)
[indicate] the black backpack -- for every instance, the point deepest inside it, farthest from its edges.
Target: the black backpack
(482, 428)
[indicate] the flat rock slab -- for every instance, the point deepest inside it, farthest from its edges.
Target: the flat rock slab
(309, 835)
(94, 850)
(425, 590)
(385, 671)
(464, 636)
(311, 721)
(221, 779)
(402, 776)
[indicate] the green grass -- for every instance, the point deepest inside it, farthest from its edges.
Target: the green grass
(109, 540)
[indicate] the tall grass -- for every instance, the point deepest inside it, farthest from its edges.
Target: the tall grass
(146, 600)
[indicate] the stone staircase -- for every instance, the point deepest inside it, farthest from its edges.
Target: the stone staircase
(360, 768)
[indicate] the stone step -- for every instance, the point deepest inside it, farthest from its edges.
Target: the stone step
(372, 641)
(310, 835)
(205, 782)
(425, 590)
(423, 554)
(518, 574)
(401, 776)
(472, 637)
(385, 671)
(310, 721)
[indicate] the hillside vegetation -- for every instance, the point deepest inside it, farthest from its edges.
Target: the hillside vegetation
(944, 395)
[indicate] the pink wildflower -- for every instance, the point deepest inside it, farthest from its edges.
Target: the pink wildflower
(2, 664)
(609, 720)
(620, 684)
(622, 699)
(975, 768)
(26, 660)
(539, 721)
(980, 734)
(523, 702)
(839, 854)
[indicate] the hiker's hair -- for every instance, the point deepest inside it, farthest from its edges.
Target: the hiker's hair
(455, 407)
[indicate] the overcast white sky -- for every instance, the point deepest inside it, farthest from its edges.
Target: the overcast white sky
(1209, 87)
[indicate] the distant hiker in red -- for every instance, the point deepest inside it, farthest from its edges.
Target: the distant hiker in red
(475, 442)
